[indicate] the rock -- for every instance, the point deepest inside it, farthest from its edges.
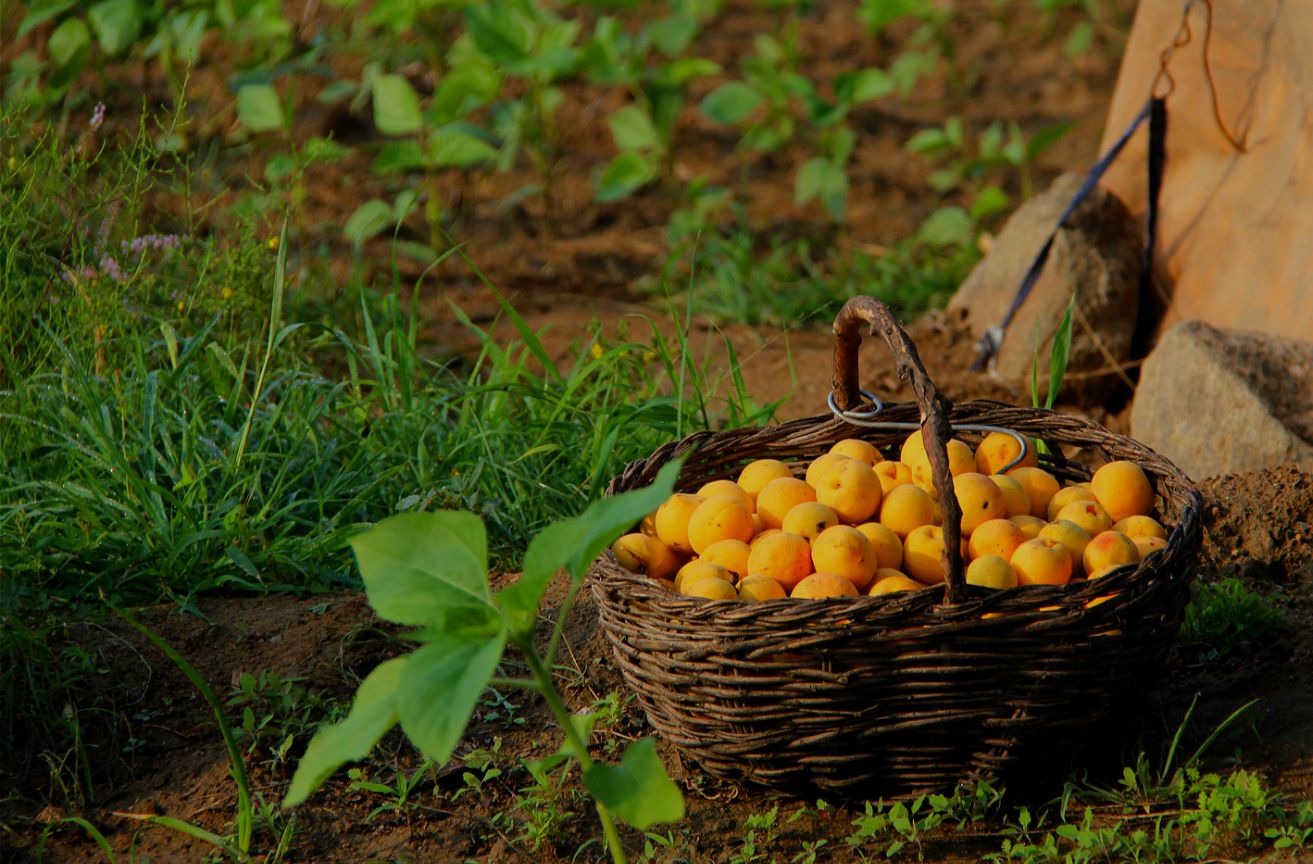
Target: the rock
(1225, 401)
(1095, 256)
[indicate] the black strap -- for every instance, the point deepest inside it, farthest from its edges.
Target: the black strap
(1157, 156)
(1154, 110)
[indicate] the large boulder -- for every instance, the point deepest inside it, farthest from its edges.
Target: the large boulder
(1224, 401)
(1096, 257)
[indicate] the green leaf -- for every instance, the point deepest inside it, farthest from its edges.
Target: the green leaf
(672, 35)
(730, 103)
(927, 141)
(853, 88)
(69, 46)
(442, 685)
(499, 30)
(1061, 351)
(624, 174)
(947, 226)
(638, 790)
(633, 129)
(40, 12)
(395, 157)
(373, 713)
(259, 108)
(369, 219)
(685, 69)
(820, 178)
(419, 566)
(1045, 138)
(451, 147)
(881, 13)
(573, 544)
(989, 201)
(1080, 40)
(117, 24)
(396, 106)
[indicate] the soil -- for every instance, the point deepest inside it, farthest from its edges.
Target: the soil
(156, 749)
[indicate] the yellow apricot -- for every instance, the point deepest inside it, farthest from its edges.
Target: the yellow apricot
(991, 571)
(1015, 497)
(1089, 515)
(960, 461)
(1073, 537)
(856, 448)
(1148, 544)
(821, 464)
(757, 474)
(643, 554)
(761, 535)
(1107, 550)
(923, 554)
(1123, 489)
(699, 569)
(710, 588)
(730, 554)
(892, 474)
(757, 588)
(809, 519)
(648, 525)
(1067, 495)
(784, 557)
(779, 496)
(1029, 525)
(892, 582)
(1040, 486)
(907, 508)
(979, 499)
(1140, 526)
(999, 448)
(852, 490)
(818, 586)
(728, 487)
(845, 551)
(1041, 562)
(999, 537)
(672, 521)
(724, 517)
(888, 546)
(913, 447)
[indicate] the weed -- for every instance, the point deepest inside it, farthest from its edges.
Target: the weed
(399, 795)
(1226, 618)
(277, 713)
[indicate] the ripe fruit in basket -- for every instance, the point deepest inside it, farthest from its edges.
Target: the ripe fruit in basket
(710, 588)
(758, 473)
(999, 537)
(784, 557)
(1089, 515)
(779, 496)
(730, 554)
(724, 517)
(991, 571)
(696, 570)
(640, 553)
(1015, 497)
(818, 586)
(1029, 525)
(809, 519)
(1040, 486)
(888, 546)
(892, 474)
(672, 521)
(820, 465)
(1123, 490)
(923, 553)
(1148, 544)
(856, 448)
(1070, 535)
(1109, 549)
(907, 508)
(727, 487)
(960, 461)
(851, 489)
(756, 588)
(892, 582)
(998, 449)
(1140, 526)
(979, 499)
(1064, 496)
(1041, 562)
(845, 551)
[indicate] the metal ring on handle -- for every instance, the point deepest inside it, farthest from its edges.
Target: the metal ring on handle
(864, 419)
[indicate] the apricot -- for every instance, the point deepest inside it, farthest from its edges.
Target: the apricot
(887, 545)
(1148, 544)
(730, 554)
(960, 461)
(648, 525)
(779, 496)
(710, 588)
(851, 489)
(856, 448)
(640, 553)
(1040, 486)
(1029, 525)
(1107, 550)
(756, 588)
(999, 537)
(809, 519)
(991, 571)
(1067, 495)
(979, 499)
(1015, 497)
(757, 474)
(698, 569)
(728, 487)
(845, 551)
(818, 586)
(784, 557)
(906, 508)
(1089, 515)
(672, 521)
(1140, 526)
(999, 448)
(821, 464)
(1123, 489)
(892, 474)
(724, 517)
(1041, 562)
(923, 554)
(892, 582)
(1073, 537)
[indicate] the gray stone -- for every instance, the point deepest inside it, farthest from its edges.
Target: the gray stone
(1096, 256)
(1224, 401)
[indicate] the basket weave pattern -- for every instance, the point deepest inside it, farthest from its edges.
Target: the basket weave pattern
(906, 692)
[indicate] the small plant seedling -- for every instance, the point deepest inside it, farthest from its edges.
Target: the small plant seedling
(430, 571)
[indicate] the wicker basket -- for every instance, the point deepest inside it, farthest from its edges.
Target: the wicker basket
(908, 692)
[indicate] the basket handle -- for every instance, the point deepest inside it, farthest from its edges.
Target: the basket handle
(934, 406)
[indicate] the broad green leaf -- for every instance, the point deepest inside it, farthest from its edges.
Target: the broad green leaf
(373, 712)
(947, 226)
(865, 85)
(685, 69)
(573, 544)
(880, 14)
(1080, 40)
(369, 219)
(69, 46)
(638, 790)
(500, 30)
(624, 174)
(821, 178)
(452, 148)
(909, 67)
(441, 686)
(396, 106)
(117, 24)
(463, 89)
(672, 35)
(927, 141)
(633, 129)
(732, 102)
(989, 201)
(40, 12)
(395, 157)
(418, 566)
(259, 108)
